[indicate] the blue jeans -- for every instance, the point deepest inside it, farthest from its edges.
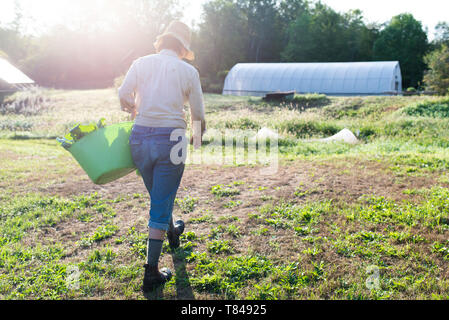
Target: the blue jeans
(157, 159)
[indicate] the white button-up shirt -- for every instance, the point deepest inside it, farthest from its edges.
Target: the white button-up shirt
(158, 86)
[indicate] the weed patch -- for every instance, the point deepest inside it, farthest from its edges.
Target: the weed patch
(187, 204)
(221, 191)
(435, 109)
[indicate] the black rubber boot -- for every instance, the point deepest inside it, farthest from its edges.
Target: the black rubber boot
(154, 277)
(174, 232)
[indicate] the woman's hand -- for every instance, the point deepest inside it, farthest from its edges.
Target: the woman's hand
(199, 128)
(128, 107)
(196, 141)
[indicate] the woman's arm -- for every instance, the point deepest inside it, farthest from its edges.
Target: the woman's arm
(127, 91)
(196, 102)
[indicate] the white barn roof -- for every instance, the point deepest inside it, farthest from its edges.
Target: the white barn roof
(334, 78)
(12, 75)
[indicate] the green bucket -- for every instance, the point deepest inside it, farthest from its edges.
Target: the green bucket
(105, 154)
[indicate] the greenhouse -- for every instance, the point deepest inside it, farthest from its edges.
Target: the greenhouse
(333, 78)
(12, 78)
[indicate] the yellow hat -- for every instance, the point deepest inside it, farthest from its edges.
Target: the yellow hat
(181, 32)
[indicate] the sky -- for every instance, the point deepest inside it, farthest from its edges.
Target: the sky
(429, 12)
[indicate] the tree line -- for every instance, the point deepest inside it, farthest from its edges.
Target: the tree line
(100, 48)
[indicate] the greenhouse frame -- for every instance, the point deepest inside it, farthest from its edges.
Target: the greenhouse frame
(333, 78)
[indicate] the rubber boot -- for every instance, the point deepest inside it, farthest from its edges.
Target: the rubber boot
(174, 232)
(154, 277)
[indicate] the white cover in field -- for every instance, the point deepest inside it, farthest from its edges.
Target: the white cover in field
(344, 135)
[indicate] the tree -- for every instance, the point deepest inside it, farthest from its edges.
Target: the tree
(320, 34)
(96, 51)
(264, 29)
(405, 40)
(359, 37)
(221, 41)
(300, 46)
(17, 24)
(437, 77)
(289, 11)
(441, 34)
(236, 31)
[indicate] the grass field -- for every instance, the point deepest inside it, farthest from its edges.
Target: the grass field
(338, 221)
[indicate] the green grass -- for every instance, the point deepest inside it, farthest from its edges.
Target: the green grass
(33, 266)
(221, 191)
(22, 214)
(309, 100)
(187, 204)
(202, 219)
(220, 246)
(437, 109)
(243, 240)
(431, 214)
(102, 232)
(374, 230)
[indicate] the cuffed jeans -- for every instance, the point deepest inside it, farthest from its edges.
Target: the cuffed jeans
(161, 163)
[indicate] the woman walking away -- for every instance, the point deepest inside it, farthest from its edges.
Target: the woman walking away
(154, 91)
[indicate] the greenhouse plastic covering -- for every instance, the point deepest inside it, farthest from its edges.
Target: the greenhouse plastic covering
(11, 74)
(334, 78)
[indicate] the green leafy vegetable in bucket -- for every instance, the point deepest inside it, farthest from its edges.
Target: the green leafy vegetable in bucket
(79, 131)
(101, 123)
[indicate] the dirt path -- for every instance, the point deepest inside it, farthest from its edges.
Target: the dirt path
(310, 180)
